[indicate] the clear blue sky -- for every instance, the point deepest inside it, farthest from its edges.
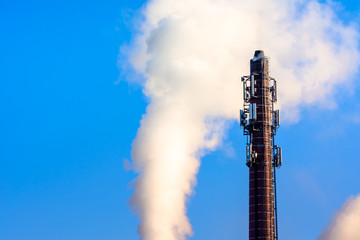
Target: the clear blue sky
(67, 123)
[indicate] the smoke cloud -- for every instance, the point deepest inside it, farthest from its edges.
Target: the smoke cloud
(192, 55)
(346, 223)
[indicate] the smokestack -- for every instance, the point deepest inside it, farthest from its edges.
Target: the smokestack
(260, 122)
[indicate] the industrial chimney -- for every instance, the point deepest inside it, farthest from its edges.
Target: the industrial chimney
(260, 121)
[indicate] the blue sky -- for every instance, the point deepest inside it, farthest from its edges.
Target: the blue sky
(67, 123)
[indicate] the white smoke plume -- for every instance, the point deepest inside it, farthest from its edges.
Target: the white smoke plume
(192, 54)
(346, 224)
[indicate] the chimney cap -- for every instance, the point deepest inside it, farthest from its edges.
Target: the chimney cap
(258, 55)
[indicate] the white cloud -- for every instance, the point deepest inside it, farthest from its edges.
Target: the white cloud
(346, 224)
